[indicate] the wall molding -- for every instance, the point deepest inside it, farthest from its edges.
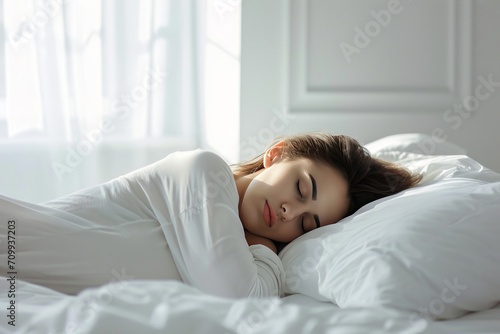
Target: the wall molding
(305, 98)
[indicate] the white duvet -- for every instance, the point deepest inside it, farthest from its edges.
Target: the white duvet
(439, 262)
(173, 307)
(176, 219)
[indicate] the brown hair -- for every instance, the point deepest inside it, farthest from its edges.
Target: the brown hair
(368, 178)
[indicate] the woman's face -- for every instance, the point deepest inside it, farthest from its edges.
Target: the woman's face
(291, 197)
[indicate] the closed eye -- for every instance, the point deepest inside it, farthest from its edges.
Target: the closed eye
(298, 189)
(302, 218)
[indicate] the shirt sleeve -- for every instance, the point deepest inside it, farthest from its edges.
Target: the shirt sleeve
(194, 197)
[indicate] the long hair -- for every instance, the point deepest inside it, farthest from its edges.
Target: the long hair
(368, 178)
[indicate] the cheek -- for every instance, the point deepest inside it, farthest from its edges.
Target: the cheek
(272, 176)
(249, 209)
(255, 195)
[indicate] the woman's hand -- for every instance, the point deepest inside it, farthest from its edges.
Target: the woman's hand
(254, 239)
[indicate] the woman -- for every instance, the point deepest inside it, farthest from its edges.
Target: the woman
(189, 217)
(336, 165)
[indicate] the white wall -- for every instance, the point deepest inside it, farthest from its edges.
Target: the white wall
(480, 133)
(426, 59)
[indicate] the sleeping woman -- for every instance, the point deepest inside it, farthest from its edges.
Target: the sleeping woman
(191, 217)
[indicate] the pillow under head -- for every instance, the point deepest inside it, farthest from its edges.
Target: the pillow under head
(433, 250)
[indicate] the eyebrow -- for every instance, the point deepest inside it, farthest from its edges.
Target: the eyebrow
(314, 197)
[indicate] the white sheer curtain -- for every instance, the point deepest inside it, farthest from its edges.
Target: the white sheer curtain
(90, 89)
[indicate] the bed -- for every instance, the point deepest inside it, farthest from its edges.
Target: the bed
(425, 260)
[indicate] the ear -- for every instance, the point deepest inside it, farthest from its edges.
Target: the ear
(274, 154)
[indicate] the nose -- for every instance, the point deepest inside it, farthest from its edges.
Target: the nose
(290, 211)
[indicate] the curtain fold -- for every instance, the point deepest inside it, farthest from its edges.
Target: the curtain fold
(87, 81)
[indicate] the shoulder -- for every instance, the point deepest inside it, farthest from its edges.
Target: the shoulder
(214, 170)
(208, 158)
(200, 161)
(184, 165)
(206, 173)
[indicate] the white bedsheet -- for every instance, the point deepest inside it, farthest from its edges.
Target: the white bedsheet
(173, 307)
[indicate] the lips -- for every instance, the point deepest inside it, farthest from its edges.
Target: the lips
(269, 215)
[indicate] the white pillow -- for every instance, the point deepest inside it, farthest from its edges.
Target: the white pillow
(414, 143)
(433, 250)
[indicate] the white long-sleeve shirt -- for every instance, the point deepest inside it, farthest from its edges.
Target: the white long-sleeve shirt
(174, 219)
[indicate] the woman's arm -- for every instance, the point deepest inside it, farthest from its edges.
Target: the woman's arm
(253, 239)
(193, 198)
